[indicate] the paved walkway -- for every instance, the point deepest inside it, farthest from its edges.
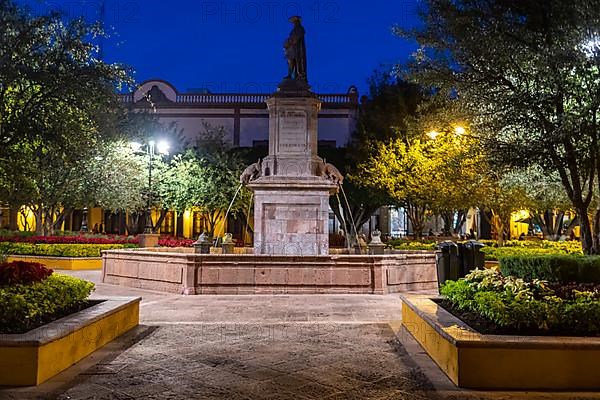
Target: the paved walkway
(259, 347)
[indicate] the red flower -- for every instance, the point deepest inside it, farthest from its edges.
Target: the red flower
(22, 272)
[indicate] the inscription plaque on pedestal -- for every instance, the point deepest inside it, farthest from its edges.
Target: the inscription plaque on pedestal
(293, 132)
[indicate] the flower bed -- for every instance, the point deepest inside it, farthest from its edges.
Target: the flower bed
(78, 239)
(508, 305)
(500, 362)
(59, 250)
(127, 241)
(175, 242)
(31, 295)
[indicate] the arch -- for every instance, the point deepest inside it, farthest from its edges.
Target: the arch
(165, 87)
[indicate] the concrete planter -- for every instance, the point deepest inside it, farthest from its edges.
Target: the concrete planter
(70, 263)
(500, 362)
(32, 358)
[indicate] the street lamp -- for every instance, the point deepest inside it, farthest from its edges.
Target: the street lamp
(149, 150)
(458, 131)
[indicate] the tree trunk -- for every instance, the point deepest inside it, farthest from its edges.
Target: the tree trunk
(460, 221)
(416, 215)
(39, 220)
(572, 224)
(61, 218)
(351, 218)
(13, 218)
(161, 218)
(448, 218)
(587, 241)
(133, 220)
(596, 231)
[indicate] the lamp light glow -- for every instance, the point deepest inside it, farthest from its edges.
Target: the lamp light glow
(163, 147)
(135, 146)
(433, 134)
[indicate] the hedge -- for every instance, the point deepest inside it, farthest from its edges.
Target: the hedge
(26, 306)
(59, 250)
(403, 244)
(553, 268)
(496, 253)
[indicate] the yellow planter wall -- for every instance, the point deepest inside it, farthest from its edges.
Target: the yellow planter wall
(70, 263)
(500, 362)
(31, 362)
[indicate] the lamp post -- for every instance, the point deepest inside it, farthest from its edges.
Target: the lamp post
(150, 150)
(149, 228)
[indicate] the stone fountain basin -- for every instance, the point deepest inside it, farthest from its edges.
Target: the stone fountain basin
(182, 271)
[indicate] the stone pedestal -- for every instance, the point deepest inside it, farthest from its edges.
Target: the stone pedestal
(291, 215)
(291, 196)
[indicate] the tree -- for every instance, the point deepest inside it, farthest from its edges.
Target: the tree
(206, 179)
(440, 175)
(116, 179)
(57, 103)
(362, 200)
(382, 116)
(528, 73)
(544, 198)
(500, 199)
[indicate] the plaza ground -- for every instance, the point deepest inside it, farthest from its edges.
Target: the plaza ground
(260, 347)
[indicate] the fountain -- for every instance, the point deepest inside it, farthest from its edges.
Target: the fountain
(291, 189)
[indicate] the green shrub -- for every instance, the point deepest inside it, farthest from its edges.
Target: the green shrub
(496, 253)
(553, 268)
(516, 304)
(59, 250)
(529, 247)
(7, 232)
(402, 244)
(28, 305)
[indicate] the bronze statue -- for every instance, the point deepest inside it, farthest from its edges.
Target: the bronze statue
(295, 51)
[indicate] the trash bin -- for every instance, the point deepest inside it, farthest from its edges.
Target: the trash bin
(470, 256)
(446, 261)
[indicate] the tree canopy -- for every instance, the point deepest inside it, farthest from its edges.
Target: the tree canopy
(58, 104)
(527, 71)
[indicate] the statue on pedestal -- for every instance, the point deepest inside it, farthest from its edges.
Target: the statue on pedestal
(295, 51)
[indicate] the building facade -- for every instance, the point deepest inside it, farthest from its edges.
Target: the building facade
(244, 116)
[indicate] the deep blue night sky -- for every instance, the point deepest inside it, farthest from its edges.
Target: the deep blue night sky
(236, 46)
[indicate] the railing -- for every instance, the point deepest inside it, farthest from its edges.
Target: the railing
(126, 98)
(234, 98)
(221, 98)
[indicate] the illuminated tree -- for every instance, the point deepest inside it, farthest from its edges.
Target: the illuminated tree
(528, 73)
(442, 174)
(57, 105)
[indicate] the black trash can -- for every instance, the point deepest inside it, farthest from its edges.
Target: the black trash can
(446, 261)
(470, 257)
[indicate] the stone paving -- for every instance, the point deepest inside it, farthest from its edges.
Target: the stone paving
(260, 347)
